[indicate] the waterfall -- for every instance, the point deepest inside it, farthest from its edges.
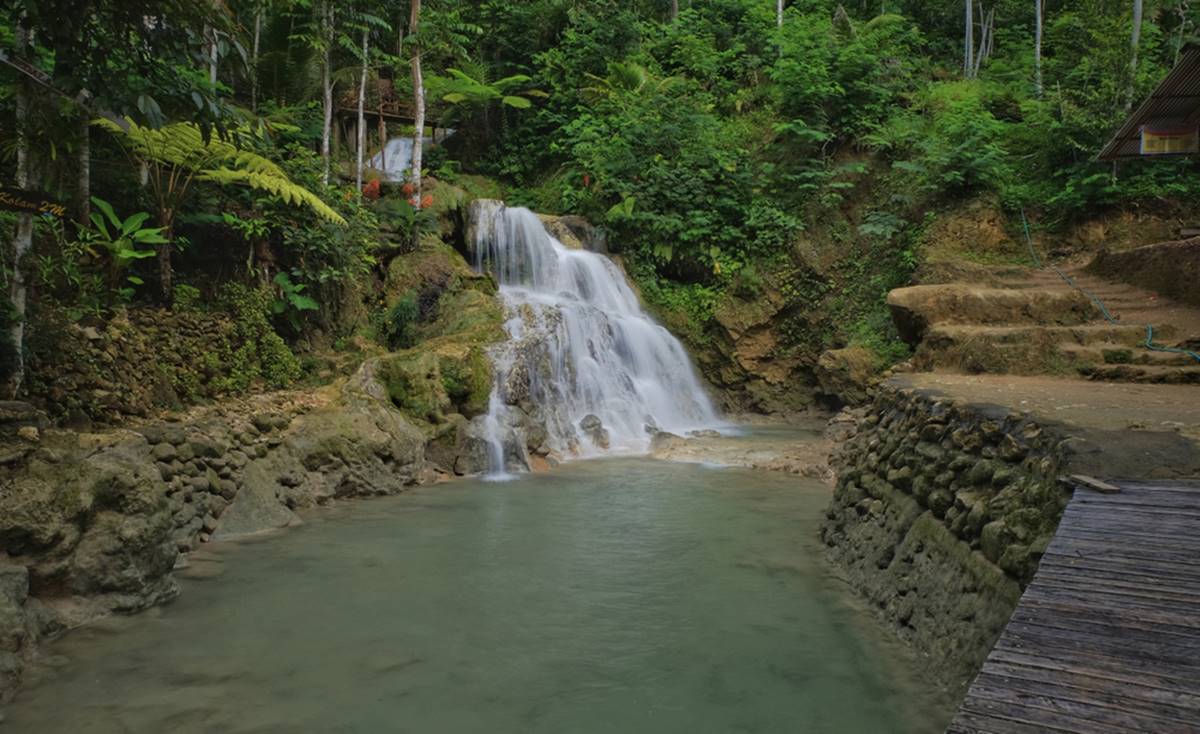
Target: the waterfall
(585, 371)
(397, 154)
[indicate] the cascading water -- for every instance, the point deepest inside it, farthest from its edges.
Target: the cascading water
(585, 370)
(394, 161)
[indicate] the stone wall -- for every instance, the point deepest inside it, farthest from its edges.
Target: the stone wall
(940, 515)
(144, 360)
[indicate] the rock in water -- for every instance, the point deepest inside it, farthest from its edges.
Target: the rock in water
(593, 428)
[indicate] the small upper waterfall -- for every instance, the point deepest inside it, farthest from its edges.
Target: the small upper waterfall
(584, 367)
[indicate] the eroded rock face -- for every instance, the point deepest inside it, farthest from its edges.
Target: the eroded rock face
(92, 524)
(845, 375)
(360, 445)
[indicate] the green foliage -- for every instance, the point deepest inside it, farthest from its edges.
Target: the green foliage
(291, 301)
(183, 153)
(261, 354)
(459, 88)
(397, 326)
(122, 244)
(187, 298)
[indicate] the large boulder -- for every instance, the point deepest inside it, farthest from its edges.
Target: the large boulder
(89, 513)
(359, 445)
(844, 375)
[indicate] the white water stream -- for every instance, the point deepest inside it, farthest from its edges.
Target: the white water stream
(580, 347)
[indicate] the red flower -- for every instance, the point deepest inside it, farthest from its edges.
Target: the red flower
(408, 189)
(587, 180)
(371, 190)
(426, 201)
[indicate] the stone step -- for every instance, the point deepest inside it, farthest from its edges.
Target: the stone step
(1033, 350)
(943, 335)
(916, 309)
(1117, 354)
(1148, 374)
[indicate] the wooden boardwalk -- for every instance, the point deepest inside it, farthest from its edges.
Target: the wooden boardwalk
(1107, 636)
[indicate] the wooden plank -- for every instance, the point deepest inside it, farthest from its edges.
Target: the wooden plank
(1130, 694)
(975, 722)
(1080, 705)
(1096, 485)
(1092, 566)
(1161, 588)
(1100, 600)
(1056, 615)
(1122, 648)
(1186, 573)
(1059, 669)
(1065, 718)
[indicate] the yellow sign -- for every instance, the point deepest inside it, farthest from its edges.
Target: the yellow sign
(1170, 139)
(29, 202)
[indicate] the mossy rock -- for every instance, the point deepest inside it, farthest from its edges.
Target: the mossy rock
(468, 316)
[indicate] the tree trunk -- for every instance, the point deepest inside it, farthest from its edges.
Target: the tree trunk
(362, 101)
(674, 9)
(779, 13)
(326, 88)
(254, 61)
(969, 40)
(987, 21)
(211, 33)
(166, 274)
(383, 139)
(418, 102)
(1135, 41)
(23, 238)
(1039, 12)
(83, 181)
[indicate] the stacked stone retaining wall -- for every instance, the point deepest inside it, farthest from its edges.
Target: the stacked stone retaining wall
(940, 515)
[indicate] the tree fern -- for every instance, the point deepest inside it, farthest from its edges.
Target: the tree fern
(181, 147)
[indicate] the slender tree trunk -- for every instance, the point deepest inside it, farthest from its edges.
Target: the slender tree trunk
(383, 139)
(83, 181)
(258, 16)
(362, 101)
(1135, 41)
(166, 274)
(326, 88)
(779, 13)
(418, 101)
(1038, 12)
(23, 238)
(674, 9)
(985, 38)
(211, 33)
(969, 40)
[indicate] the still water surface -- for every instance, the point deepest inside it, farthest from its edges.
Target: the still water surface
(617, 595)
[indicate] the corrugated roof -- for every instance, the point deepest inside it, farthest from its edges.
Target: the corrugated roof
(1177, 99)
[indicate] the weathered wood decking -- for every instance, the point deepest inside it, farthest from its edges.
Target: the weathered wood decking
(1107, 636)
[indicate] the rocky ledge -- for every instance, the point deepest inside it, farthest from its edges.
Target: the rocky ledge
(95, 523)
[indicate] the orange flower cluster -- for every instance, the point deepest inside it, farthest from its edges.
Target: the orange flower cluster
(408, 189)
(371, 190)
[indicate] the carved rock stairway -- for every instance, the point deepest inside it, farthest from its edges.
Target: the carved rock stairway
(1015, 321)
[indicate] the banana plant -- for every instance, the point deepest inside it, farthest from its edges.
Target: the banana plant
(122, 243)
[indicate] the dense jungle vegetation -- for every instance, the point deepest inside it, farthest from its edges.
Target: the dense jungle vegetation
(211, 155)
